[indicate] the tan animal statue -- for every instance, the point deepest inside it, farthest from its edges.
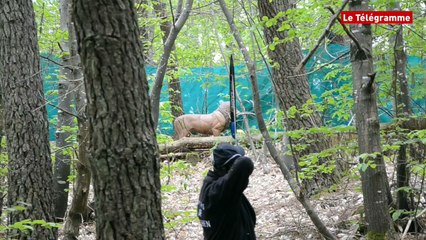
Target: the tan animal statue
(207, 124)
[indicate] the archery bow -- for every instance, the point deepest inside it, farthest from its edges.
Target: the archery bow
(232, 94)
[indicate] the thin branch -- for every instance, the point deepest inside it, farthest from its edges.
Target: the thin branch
(322, 66)
(418, 105)
(387, 111)
(347, 31)
(60, 47)
(63, 110)
(330, 24)
(206, 5)
(47, 102)
(57, 63)
(416, 33)
(171, 12)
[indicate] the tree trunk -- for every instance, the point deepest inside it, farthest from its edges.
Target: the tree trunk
(374, 179)
(402, 109)
(292, 88)
(122, 143)
(81, 187)
(403, 103)
(30, 176)
(174, 89)
(65, 120)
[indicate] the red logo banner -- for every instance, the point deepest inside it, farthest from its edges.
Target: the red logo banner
(376, 17)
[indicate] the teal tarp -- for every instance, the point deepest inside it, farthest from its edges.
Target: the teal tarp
(203, 88)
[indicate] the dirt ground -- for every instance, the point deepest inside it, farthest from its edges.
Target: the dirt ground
(279, 215)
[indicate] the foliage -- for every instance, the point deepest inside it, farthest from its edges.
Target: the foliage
(312, 164)
(180, 168)
(24, 225)
(48, 23)
(163, 138)
(166, 117)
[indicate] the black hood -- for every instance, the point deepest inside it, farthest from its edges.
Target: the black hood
(225, 154)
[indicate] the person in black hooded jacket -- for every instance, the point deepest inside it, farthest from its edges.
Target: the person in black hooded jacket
(223, 210)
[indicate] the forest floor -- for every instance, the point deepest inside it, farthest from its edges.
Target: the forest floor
(279, 214)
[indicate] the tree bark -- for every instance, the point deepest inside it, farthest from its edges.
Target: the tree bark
(30, 176)
(292, 89)
(81, 188)
(403, 100)
(122, 142)
(402, 109)
(174, 88)
(299, 193)
(161, 70)
(374, 180)
(65, 120)
(82, 184)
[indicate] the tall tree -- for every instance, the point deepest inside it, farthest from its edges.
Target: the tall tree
(122, 143)
(291, 85)
(402, 108)
(30, 176)
(374, 179)
(65, 121)
(78, 207)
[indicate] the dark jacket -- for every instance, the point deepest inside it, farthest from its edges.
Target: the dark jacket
(223, 210)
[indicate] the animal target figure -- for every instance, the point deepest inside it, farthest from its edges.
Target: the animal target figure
(207, 124)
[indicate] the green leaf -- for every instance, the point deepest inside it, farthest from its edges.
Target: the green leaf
(397, 214)
(404, 189)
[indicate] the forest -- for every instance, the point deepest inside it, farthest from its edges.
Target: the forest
(111, 111)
